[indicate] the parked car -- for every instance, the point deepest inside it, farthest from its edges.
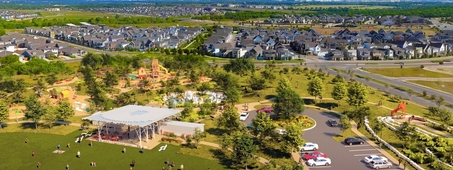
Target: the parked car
(319, 161)
(314, 155)
(333, 123)
(309, 147)
(374, 158)
(281, 131)
(353, 141)
(243, 116)
(381, 165)
(266, 109)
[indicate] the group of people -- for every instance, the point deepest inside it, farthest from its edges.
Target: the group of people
(171, 165)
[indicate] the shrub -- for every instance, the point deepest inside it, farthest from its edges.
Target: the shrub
(425, 93)
(422, 66)
(164, 139)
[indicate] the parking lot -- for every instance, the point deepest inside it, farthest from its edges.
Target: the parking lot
(342, 156)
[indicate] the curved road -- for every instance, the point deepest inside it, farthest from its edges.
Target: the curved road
(342, 156)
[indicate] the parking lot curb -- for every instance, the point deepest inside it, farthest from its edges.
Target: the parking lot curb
(310, 128)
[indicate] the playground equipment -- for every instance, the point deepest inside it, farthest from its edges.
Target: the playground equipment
(58, 93)
(157, 72)
(195, 97)
(402, 107)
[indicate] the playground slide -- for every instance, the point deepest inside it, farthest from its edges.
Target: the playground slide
(163, 68)
(83, 105)
(78, 109)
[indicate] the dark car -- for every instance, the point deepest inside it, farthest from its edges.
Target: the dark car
(353, 141)
(332, 123)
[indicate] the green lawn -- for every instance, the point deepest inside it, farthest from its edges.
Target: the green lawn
(443, 86)
(406, 72)
(17, 155)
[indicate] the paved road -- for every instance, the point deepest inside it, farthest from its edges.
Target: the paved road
(342, 156)
(442, 26)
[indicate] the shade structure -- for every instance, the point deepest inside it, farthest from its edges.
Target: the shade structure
(133, 115)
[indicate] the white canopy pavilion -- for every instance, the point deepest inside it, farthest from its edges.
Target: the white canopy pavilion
(142, 118)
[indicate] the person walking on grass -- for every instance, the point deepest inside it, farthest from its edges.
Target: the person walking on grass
(67, 166)
(38, 165)
(68, 146)
(58, 147)
(26, 140)
(78, 154)
(181, 167)
(405, 163)
(399, 161)
(33, 153)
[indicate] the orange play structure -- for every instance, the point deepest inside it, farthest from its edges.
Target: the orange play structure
(402, 107)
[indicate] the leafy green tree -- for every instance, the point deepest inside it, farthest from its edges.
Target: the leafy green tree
(283, 84)
(34, 109)
(257, 82)
(92, 107)
(188, 109)
(339, 91)
(358, 114)
(262, 126)
(194, 77)
(94, 61)
(110, 79)
(345, 124)
(206, 86)
(50, 116)
(240, 66)
(293, 137)
(232, 95)
(4, 112)
(440, 101)
(406, 133)
(64, 110)
(268, 74)
(242, 146)
(40, 86)
(51, 79)
(207, 108)
(124, 99)
(357, 94)
(226, 80)
(197, 136)
(378, 128)
(229, 119)
(288, 102)
(316, 87)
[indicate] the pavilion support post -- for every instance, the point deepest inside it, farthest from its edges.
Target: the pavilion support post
(146, 133)
(139, 135)
(99, 131)
(107, 129)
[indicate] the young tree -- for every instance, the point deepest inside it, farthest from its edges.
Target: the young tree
(40, 85)
(257, 82)
(197, 136)
(232, 95)
(206, 108)
(406, 133)
(345, 124)
(288, 102)
(293, 137)
(283, 84)
(242, 146)
(50, 116)
(410, 92)
(440, 101)
(357, 94)
(34, 109)
(262, 126)
(92, 107)
(316, 87)
(124, 99)
(229, 119)
(240, 66)
(194, 77)
(188, 109)
(51, 79)
(4, 112)
(110, 79)
(64, 110)
(358, 114)
(339, 91)
(378, 128)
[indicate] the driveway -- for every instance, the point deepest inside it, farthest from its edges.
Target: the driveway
(342, 156)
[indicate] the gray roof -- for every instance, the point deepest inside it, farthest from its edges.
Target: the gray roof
(133, 115)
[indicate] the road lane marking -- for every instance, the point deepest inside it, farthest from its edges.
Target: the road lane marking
(368, 154)
(356, 146)
(318, 167)
(360, 150)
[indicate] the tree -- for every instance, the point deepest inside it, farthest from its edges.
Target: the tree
(316, 87)
(40, 85)
(124, 99)
(92, 107)
(34, 109)
(242, 146)
(440, 101)
(226, 80)
(4, 112)
(257, 82)
(207, 108)
(50, 116)
(64, 110)
(293, 137)
(262, 126)
(194, 77)
(188, 109)
(410, 92)
(367, 79)
(345, 123)
(51, 79)
(378, 128)
(232, 95)
(338, 78)
(339, 91)
(240, 66)
(110, 79)
(197, 136)
(357, 94)
(283, 84)
(358, 114)
(206, 86)
(406, 133)
(288, 102)
(229, 119)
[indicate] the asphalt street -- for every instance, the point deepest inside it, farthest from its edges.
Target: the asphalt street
(442, 26)
(342, 156)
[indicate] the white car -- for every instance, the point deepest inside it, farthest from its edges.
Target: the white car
(243, 116)
(372, 158)
(319, 161)
(309, 147)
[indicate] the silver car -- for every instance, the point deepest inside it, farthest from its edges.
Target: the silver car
(381, 164)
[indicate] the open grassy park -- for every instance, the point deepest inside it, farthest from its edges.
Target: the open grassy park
(439, 85)
(16, 154)
(343, 6)
(407, 72)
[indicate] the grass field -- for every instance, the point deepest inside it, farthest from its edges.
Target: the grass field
(407, 72)
(17, 155)
(442, 86)
(68, 14)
